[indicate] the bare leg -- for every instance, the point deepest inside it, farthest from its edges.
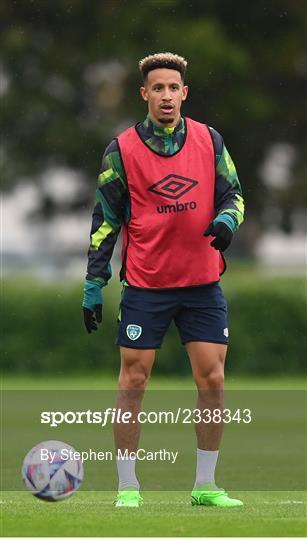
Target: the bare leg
(136, 365)
(207, 361)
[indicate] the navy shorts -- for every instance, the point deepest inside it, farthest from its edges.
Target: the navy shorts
(200, 314)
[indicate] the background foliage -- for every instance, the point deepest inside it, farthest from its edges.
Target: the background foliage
(70, 69)
(69, 84)
(43, 330)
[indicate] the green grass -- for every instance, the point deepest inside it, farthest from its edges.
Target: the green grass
(101, 380)
(91, 513)
(163, 514)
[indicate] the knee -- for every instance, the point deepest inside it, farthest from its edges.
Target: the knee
(133, 376)
(132, 380)
(213, 380)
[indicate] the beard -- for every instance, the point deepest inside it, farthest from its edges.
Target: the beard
(166, 120)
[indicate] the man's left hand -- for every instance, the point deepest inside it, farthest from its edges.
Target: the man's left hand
(223, 235)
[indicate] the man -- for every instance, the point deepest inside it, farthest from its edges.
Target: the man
(170, 183)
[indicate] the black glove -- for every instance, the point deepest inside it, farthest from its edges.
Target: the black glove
(92, 304)
(92, 317)
(223, 235)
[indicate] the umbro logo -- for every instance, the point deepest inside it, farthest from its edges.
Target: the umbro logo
(173, 186)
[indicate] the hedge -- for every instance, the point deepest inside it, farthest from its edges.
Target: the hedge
(42, 329)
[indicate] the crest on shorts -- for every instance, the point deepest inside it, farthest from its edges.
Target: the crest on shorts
(133, 331)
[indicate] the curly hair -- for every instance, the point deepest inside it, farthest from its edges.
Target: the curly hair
(162, 60)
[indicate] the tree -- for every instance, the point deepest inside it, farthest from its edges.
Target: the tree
(70, 80)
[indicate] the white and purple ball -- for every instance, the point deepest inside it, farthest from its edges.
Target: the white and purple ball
(51, 476)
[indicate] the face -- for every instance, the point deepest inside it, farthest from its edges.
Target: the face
(164, 91)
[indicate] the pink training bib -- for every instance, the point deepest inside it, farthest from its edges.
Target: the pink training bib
(172, 204)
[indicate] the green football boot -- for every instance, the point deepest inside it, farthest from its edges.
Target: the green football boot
(210, 495)
(129, 499)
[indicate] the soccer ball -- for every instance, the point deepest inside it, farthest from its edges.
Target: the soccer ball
(50, 472)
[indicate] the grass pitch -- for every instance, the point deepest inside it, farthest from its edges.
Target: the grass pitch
(92, 513)
(163, 514)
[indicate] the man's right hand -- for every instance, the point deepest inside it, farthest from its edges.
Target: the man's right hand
(92, 305)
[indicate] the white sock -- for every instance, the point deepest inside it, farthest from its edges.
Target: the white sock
(205, 468)
(126, 474)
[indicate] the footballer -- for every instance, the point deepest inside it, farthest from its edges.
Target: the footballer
(170, 185)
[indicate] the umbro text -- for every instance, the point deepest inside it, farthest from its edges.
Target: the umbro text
(178, 207)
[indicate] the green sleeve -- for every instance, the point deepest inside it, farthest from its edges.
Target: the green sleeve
(110, 210)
